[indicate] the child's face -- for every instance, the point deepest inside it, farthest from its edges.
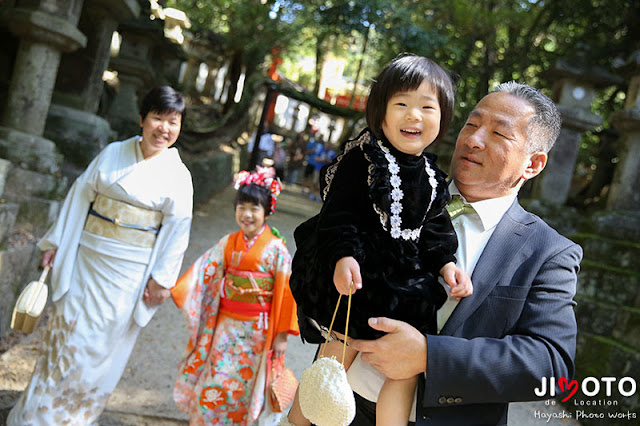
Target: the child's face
(412, 119)
(250, 218)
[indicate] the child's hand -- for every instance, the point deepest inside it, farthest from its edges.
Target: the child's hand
(347, 271)
(280, 344)
(458, 280)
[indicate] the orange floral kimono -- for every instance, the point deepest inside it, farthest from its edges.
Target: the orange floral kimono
(236, 298)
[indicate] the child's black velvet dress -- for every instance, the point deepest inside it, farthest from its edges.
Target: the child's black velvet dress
(399, 275)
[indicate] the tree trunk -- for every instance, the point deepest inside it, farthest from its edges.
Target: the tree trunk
(362, 56)
(319, 63)
(235, 71)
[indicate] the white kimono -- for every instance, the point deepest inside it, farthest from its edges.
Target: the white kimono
(97, 284)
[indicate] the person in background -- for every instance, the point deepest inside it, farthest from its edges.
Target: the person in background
(296, 159)
(313, 150)
(115, 251)
(280, 159)
(266, 145)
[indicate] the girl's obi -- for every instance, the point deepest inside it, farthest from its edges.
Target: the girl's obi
(247, 296)
(123, 222)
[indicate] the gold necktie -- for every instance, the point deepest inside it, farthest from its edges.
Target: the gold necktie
(457, 207)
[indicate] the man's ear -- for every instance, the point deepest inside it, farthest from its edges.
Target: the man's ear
(536, 164)
(141, 121)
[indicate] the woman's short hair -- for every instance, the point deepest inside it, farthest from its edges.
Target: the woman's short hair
(403, 74)
(255, 194)
(163, 99)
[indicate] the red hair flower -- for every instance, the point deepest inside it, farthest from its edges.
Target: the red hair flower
(265, 177)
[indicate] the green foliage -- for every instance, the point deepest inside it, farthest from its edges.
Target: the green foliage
(482, 42)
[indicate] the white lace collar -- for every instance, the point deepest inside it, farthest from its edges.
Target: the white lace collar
(397, 196)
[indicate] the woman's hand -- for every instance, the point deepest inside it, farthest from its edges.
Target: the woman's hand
(347, 271)
(154, 293)
(280, 344)
(48, 257)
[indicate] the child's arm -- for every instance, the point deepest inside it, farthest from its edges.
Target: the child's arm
(347, 271)
(458, 280)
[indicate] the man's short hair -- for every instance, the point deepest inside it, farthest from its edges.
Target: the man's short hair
(544, 127)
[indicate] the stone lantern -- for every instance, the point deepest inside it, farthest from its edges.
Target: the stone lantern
(72, 121)
(135, 71)
(30, 170)
(29, 163)
(198, 50)
(575, 86)
(624, 194)
(44, 33)
(608, 299)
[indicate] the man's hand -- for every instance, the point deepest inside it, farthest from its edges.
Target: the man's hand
(400, 354)
(154, 293)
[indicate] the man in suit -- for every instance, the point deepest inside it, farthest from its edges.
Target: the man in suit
(518, 327)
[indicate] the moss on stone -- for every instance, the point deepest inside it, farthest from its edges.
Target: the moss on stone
(581, 236)
(615, 343)
(587, 263)
(593, 356)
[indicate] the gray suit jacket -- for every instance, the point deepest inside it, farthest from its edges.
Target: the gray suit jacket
(518, 327)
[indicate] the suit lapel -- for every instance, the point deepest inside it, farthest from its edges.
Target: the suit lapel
(507, 240)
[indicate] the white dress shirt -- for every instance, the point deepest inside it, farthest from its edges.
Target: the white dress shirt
(473, 231)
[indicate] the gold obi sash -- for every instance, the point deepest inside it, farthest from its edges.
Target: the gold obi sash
(248, 286)
(123, 222)
(247, 296)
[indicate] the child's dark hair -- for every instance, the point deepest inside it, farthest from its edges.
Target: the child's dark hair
(403, 74)
(163, 99)
(255, 194)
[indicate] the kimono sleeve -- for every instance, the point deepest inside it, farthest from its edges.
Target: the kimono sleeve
(173, 237)
(287, 317)
(196, 292)
(64, 235)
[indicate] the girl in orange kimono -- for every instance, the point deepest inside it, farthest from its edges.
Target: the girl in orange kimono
(239, 306)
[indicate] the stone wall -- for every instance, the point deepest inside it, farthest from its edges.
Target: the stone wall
(608, 312)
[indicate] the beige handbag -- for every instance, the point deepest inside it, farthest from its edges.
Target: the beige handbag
(326, 398)
(30, 304)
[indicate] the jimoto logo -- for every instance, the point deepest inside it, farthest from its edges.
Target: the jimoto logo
(590, 387)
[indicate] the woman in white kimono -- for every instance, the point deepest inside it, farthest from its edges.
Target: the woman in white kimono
(115, 251)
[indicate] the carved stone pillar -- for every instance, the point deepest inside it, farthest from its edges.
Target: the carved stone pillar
(72, 122)
(135, 71)
(43, 38)
(44, 34)
(624, 194)
(574, 91)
